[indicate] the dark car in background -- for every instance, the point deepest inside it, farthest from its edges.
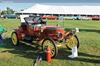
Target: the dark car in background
(10, 16)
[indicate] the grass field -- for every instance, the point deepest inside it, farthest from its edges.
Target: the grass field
(89, 50)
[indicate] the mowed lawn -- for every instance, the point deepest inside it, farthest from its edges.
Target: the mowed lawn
(23, 55)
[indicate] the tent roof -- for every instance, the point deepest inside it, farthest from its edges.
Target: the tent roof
(53, 9)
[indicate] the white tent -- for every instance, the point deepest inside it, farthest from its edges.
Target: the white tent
(53, 9)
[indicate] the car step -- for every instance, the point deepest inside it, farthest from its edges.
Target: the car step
(30, 44)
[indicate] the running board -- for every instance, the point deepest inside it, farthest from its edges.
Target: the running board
(33, 45)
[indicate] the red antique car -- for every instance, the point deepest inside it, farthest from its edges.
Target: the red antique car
(35, 30)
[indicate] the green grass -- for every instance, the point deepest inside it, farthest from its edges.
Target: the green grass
(89, 50)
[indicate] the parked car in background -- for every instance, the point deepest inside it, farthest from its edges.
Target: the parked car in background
(49, 17)
(95, 17)
(85, 18)
(10, 16)
(70, 18)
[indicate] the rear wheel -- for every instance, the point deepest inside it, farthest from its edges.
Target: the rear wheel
(72, 41)
(14, 38)
(49, 42)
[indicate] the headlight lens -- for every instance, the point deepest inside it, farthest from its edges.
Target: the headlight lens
(59, 35)
(73, 31)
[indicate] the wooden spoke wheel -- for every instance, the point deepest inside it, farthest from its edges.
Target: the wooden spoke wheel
(72, 41)
(49, 42)
(14, 38)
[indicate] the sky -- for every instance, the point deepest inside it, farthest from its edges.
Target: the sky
(18, 5)
(53, 1)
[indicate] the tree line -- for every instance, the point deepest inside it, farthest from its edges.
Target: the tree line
(7, 11)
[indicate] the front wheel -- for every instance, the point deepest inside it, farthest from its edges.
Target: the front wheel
(72, 41)
(14, 38)
(49, 42)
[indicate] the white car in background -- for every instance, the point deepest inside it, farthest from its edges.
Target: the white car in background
(69, 18)
(85, 18)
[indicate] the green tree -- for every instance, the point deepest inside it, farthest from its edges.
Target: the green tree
(7, 11)
(3, 12)
(10, 11)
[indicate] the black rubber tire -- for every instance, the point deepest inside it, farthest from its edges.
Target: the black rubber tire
(78, 43)
(17, 42)
(53, 43)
